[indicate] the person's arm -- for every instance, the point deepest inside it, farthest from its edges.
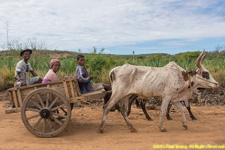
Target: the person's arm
(31, 70)
(79, 72)
(33, 73)
(18, 76)
(18, 71)
(19, 79)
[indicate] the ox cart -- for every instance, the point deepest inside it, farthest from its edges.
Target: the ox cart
(46, 108)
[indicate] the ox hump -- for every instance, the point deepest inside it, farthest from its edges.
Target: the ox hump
(173, 65)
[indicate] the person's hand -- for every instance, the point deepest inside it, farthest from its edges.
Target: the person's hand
(90, 77)
(20, 84)
(23, 84)
(18, 80)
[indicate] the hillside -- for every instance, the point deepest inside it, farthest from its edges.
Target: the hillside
(99, 64)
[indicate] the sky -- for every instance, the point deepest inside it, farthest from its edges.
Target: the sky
(118, 26)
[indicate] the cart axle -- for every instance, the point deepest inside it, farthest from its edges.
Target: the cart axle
(44, 113)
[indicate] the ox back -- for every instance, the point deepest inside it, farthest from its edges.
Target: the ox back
(149, 81)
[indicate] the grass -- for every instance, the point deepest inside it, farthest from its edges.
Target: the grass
(6, 77)
(99, 65)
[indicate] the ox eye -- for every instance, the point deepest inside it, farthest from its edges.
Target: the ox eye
(205, 74)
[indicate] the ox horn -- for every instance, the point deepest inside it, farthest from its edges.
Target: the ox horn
(203, 57)
(198, 62)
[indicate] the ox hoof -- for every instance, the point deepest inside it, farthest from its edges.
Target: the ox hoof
(163, 130)
(185, 126)
(149, 119)
(169, 118)
(132, 129)
(193, 118)
(100, 130)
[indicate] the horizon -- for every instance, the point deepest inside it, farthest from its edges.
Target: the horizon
(120, 27)
(97, 52)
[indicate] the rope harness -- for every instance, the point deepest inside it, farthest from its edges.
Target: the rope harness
(189, 78)
(206, 80)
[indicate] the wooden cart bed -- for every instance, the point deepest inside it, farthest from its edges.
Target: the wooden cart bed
(68, 87)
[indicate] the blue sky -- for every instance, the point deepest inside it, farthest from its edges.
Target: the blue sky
(118, 26)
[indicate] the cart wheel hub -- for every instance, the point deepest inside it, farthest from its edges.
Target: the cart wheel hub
(45, 113)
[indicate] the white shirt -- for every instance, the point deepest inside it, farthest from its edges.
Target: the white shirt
(21, 67)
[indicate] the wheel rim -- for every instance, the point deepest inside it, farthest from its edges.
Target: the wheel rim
(46, 112)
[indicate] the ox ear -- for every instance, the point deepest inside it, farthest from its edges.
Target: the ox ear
(198, 62)
(193, 72)
(185, 75)
(187, 69)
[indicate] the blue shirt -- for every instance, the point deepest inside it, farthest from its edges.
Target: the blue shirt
(83, 80)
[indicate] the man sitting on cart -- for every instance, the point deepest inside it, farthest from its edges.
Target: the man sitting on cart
(84, 80)
(23, 68)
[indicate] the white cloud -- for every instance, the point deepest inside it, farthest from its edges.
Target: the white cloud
(106, 51)
(74, 24)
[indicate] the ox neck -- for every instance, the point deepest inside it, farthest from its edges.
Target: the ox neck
(190, 86)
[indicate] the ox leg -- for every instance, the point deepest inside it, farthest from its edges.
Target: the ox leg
(187, 105)
(144, 110)
(107, 107)
(165, 103)
(168, 111)
(123, 110)
(181, 107)
(131, 100)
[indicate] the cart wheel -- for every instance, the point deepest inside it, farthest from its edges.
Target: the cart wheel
(46, 112)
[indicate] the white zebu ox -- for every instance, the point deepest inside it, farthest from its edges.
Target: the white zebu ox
(168, 82)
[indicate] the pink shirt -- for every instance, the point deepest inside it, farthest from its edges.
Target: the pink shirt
(50, 77)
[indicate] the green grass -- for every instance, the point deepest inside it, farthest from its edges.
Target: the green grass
(99, 65)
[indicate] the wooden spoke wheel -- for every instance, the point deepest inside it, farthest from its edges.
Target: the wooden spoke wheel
(46, 112)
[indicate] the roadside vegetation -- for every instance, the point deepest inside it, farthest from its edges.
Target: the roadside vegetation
(99, 64)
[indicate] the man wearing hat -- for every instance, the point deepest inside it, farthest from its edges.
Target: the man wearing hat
(23, 68)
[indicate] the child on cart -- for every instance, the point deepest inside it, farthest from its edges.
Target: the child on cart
(84, 80)
(23, 68)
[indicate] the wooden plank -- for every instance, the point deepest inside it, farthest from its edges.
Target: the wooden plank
(72, 89)
(19, 97)
(15, 99)
(66, 89)
(75, 89)
(11, 95)
(77, 99)
(35, 88)
(36, 85)
(77, 86)
(50, 95)
(59, 86)
(12, 110)
(89, 96)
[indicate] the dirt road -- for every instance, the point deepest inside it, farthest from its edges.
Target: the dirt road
(82, 132)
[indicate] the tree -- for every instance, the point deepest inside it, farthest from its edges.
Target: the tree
(133, 55)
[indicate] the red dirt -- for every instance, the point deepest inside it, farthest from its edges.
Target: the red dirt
(82, 132)
(56, 55)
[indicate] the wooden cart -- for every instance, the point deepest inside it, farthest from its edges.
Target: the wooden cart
(46, 108)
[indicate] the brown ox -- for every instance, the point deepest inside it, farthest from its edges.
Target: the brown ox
(171, 83)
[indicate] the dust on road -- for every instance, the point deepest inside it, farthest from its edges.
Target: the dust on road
(82, 132)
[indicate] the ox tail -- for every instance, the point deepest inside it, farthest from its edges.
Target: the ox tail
(112, 76)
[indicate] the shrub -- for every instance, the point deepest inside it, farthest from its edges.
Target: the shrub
(218, 75)
(6, 78)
